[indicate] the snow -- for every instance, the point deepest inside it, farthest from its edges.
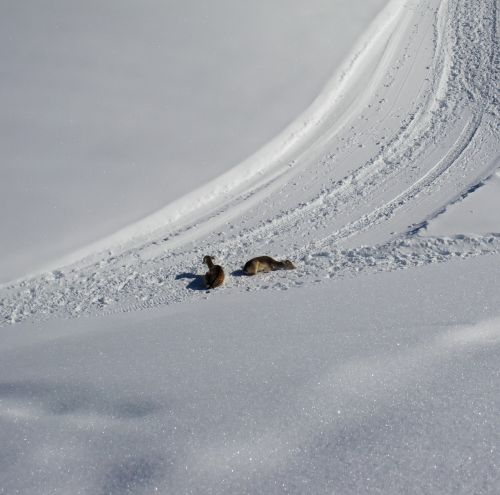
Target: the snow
(370, 368)
(475, 213)
(334, 388)
(112, 110)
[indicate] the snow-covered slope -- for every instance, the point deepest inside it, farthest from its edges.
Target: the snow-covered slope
(371, 368)
(110, 110)
(408, 125)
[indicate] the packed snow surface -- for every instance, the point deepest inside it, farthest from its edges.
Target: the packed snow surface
(371, 368)
(408, 125)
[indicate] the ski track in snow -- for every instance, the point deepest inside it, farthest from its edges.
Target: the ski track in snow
(405, 134)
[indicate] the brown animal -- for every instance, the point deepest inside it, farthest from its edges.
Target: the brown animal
(215, 275)
(266, 264)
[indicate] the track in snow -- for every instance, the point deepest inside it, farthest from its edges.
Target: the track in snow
(408, 126)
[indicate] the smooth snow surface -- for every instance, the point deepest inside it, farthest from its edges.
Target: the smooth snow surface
(331, 389)
(372, 368)
(111, 110)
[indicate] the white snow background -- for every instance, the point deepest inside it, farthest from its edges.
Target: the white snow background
(146, 135)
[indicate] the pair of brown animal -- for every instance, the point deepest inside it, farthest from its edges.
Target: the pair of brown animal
(215, 275)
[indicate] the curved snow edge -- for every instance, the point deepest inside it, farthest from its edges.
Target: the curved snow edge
(259, 165)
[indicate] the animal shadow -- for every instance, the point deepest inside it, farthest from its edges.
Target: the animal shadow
(239, 273)
(197, 281)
